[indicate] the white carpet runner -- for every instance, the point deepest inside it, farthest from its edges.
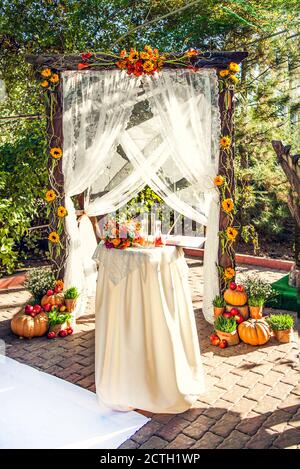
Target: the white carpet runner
(38, 410)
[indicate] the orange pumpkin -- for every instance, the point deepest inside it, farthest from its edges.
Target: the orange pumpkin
(24, 325)
(254, 332)
(235, 297)
(56, 299)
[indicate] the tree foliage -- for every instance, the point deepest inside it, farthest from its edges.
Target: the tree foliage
(267, 105)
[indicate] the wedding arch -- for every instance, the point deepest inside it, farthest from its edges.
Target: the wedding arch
(181, 146)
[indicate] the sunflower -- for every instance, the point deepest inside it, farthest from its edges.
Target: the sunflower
(59, 283)
(225, 142)
(53, 237)
(229, 273)
(116, 242)
(46, 73)
(234, 79)
(227, 205)
(219, 180)
(56, 153)
(224, 73)
(45, 83)
(191, 52)
(123, 53)
(133, 56)
(54, 78)
(148, 66)
(233, 67)
(144, 56)
(62, 211)
(50, 195)
(231, 233)
(121, 64)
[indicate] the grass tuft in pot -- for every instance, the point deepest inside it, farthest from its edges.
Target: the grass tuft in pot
(282, 326)
(219, 305)
(226, 329)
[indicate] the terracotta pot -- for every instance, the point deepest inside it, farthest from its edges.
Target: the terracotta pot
(244, 310)
(218, 311)
(60, 327)
(284, 336)
(256, 312)
(232, 338)
(71, 305)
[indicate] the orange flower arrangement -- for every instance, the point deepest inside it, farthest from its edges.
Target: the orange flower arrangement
(233, 67)
(224, 73)
(219, 180)
(227, 205)
(44, 84)
(56, 153)
(53, 237)
(59, 284)
(137, 63)
(46, 73)
(229, 273)
(54, 78)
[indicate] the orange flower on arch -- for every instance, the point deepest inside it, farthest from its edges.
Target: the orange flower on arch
(50, 195)
(231, 233)
(219, 180)
(224, 73)
(225, 141)
(54, 78)
(56, 153)
(233, 67)
(45, 83)
(229, 273)
(59, 284)
(53, 237)
(62, 211)
(234, 79)
(46, 73)
(148, 66)
(227, 205)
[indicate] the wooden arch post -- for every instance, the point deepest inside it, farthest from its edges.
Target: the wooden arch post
(215, 60)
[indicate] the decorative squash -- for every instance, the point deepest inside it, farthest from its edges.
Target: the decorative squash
(24, 325)
(254, 332)
(56, 299)
(235, 297)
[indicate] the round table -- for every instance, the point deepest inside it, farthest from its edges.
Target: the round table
(147, 349)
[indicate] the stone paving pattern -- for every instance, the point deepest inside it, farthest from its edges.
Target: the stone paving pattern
(253, 395)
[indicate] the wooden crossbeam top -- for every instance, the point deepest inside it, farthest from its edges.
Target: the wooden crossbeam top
(69, 62)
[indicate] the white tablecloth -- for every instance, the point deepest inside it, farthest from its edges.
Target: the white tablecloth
(147, 350)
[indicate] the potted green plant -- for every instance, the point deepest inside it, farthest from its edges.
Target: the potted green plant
(259, 292)
(256, 304)
(282, 327)
(58, 320)
(38, 281)
(226, 329)
(219, 306)
(71, 296)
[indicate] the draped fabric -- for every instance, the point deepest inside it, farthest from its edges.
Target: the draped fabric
(123, 133)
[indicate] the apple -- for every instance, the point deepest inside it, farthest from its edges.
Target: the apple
(226, 315)
(223, 343)
(51, 335)
(239, 318)
(63, 333)
(37, 309)
(57, 289)
(49, 292)
(240, 288)
(232, 286)
(234, 311)
(28, 309)
(70, 330)
(47, 307)
(214, 339)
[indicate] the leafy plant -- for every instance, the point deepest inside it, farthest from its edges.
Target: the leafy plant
(38, 281)
(219, 302)
(256, 301)
(225, 324)
(259, 289)
(280, 322)
(57, 317)
(71, 294)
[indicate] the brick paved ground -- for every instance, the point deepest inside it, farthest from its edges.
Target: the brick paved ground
(253, 396)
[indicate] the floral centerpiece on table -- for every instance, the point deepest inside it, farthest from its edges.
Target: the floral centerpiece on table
(122, 234)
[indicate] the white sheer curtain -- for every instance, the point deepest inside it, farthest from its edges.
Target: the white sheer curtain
(122, 133)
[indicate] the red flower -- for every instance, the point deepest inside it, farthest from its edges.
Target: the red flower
(81, 66)
(86, 56)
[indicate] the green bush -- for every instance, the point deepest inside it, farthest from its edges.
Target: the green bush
(38, 281)
(225, 324)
